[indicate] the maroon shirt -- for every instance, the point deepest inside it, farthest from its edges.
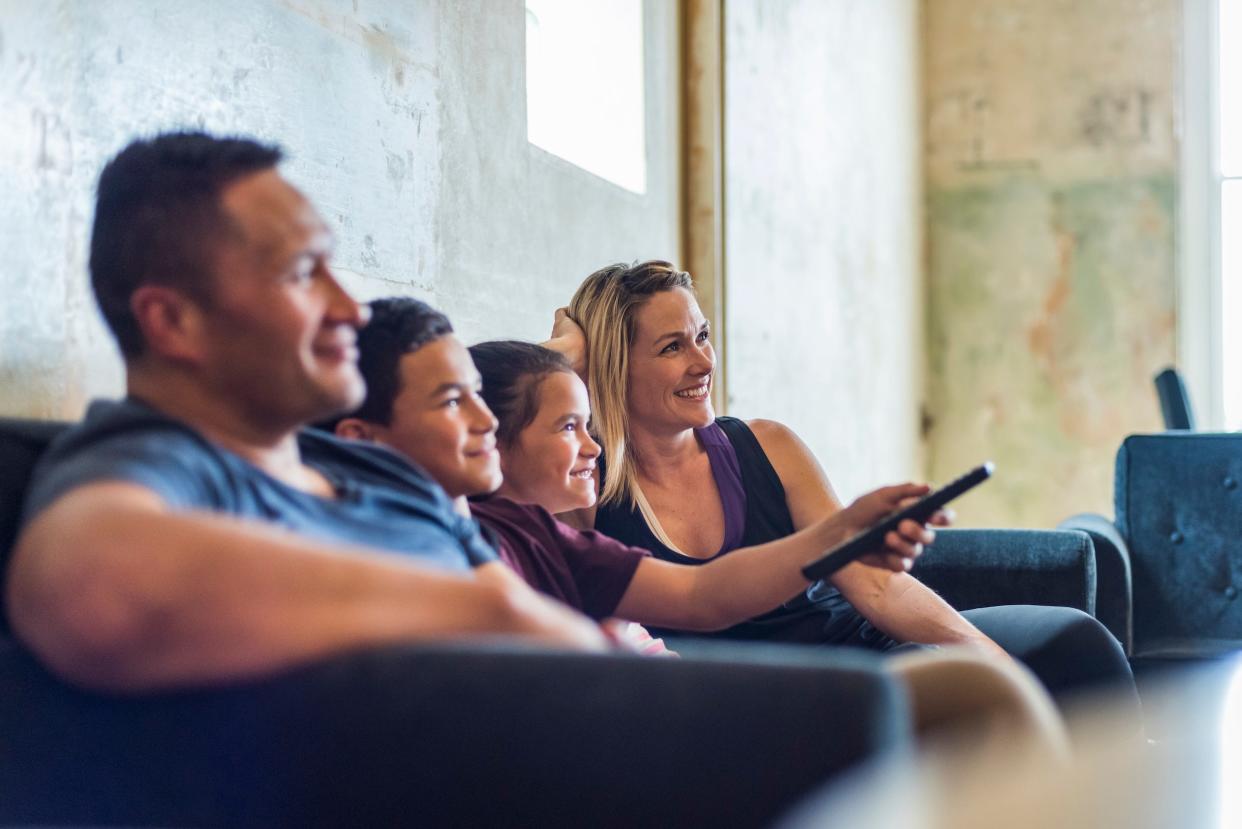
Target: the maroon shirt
(584, 569)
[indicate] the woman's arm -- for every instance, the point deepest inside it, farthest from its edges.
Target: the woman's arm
(753, 580)
(894, 602)
(569, 340)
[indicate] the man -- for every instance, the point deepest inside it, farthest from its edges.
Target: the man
(190, 534)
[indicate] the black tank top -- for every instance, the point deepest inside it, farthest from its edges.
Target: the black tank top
(820, 614)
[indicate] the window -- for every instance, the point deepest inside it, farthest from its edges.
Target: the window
(585, 98)
(1210, 238)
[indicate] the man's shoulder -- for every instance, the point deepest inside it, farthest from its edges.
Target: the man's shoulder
(125, 421)
(124, 440)
(364, 462)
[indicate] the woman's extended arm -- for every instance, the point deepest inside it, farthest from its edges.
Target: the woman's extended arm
(894, 602)
(753, 580)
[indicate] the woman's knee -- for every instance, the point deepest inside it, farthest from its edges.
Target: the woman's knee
(1038, 635)
(961, 695)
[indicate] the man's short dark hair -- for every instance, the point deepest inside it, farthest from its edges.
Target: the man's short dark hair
(158, 219)
(398, 326)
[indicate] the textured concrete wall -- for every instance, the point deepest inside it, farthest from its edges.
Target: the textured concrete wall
(406, 125)
(822, 228)
(1051, 168)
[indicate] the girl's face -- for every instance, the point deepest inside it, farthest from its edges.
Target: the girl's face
(671, 365)
(552, 461)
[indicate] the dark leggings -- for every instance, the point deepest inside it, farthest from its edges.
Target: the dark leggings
(1068, 650)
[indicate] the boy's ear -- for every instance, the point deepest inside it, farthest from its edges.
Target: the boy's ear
(352, 428)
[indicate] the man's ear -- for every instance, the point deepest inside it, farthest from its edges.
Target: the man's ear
(172, 325)
(352, 428)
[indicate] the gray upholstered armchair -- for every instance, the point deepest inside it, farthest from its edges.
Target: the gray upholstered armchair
(1169, 565)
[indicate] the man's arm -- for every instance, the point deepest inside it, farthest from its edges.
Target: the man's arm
(894, 602)
(753, 580)
(111, 589)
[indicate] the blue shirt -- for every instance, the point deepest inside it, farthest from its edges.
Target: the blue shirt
(382, 500)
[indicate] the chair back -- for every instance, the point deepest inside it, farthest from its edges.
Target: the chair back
(1174, 401)
(1178, 501)
(21, 444)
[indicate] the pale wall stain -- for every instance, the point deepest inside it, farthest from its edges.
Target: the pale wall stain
(405, 123)
(822, 235)
(1051, 163)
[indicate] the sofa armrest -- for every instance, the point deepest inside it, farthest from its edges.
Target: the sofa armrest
(451, 736)
(1113, 602)
(979, 568)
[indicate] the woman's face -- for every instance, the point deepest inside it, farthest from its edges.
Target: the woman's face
(552, 461)
(671, 364)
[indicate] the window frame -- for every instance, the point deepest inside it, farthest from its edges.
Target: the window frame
(1199, 312)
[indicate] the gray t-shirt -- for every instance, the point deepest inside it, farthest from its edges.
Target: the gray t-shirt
(382, 500)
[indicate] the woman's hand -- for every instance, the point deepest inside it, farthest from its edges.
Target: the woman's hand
(903, 545)
(569, 339)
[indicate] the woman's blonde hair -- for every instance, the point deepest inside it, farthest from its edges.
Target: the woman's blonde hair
(605, 306)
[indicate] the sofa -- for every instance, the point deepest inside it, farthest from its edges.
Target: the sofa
(482, 734)
(1169, 563)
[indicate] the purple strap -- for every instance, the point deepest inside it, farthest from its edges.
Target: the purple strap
(728, 476)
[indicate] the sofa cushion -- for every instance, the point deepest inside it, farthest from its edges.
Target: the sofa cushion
(451, 736)
(985, 567)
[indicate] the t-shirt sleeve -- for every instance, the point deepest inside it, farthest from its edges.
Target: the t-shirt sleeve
(171, 464)
(478, 550)
(602, 567)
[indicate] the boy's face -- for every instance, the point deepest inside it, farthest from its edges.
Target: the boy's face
(441, 423)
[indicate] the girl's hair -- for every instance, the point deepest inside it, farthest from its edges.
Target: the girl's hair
(605, 306)
(512, 373)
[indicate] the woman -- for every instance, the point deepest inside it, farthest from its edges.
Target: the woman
(546, 457)
(649, 365)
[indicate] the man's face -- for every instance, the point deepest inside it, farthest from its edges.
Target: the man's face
(279, 330)
(440, 422)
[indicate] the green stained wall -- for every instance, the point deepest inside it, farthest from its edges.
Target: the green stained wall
(1051, 168)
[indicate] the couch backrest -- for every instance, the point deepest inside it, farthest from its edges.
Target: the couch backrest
(21, 444)
(1178, 499)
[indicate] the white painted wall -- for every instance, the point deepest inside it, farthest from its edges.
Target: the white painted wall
(405, 123)
(823, 228)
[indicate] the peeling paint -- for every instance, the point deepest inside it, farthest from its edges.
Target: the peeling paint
(404, 124)
(1050, 308)
(1051, 166)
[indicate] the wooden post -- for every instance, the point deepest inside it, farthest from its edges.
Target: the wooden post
(702, 59)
